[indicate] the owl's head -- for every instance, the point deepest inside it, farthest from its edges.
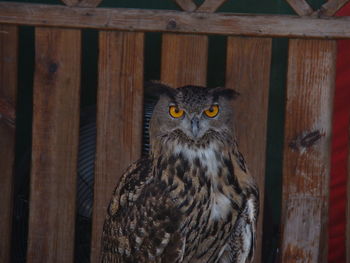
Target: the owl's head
(192, 115)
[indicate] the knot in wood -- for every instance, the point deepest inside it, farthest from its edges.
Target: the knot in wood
(171, 24)
(305, 140)
(53, 67)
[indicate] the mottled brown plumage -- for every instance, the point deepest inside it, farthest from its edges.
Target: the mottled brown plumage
(192, 199)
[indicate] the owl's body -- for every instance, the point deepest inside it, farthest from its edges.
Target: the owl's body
(193, 199)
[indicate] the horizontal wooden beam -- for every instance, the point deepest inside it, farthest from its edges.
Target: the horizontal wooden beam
(174, 21)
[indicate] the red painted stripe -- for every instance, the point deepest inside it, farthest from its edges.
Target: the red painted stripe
(340, 148)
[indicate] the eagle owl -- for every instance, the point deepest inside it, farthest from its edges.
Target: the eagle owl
(192, 199)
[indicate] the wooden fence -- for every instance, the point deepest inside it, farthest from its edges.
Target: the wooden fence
(310, 84)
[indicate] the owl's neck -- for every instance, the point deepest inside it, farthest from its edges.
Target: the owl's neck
(209, 157)
(211, 160)
(206, 153)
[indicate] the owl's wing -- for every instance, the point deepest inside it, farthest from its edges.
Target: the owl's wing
(241, 244)
(142, 223)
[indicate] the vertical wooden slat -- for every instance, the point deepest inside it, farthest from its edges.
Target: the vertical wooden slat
(8, 95)
(306, 166)
(184, 59)
(119, 118)
(55, 144)
(248, 72)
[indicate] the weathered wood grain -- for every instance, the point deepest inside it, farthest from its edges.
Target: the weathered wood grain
(54, 145)
(8, 98)
(331, 7)
(184, 57)
(119, 118)
(184, 60)
(7, 108)
(248, 72)
(186, 5)
(306, 165)
(301, 7)
(174, 21)
(210, 6)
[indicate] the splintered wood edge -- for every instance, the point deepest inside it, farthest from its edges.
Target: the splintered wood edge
(301, 7)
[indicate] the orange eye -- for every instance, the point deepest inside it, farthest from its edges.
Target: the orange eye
(212, 111)
(175, 112)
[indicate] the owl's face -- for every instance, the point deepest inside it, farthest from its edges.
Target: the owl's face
(192, 114)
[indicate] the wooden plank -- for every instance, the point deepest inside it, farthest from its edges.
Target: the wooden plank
(184, 60)
(248, 72)
(331, 7)
(174, 21)
(306, 166)
(301, 7)
(119, 118)
(7, 109)
(210, 6)
(184, 57)
(8, 96)
(186, 5)
(54, 145)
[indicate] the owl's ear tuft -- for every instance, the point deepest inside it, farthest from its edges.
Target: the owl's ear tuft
(229, 94)
(156, 89)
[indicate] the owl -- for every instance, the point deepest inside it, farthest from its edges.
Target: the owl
(192, 199)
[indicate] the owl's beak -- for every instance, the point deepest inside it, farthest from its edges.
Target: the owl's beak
(195, 126)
